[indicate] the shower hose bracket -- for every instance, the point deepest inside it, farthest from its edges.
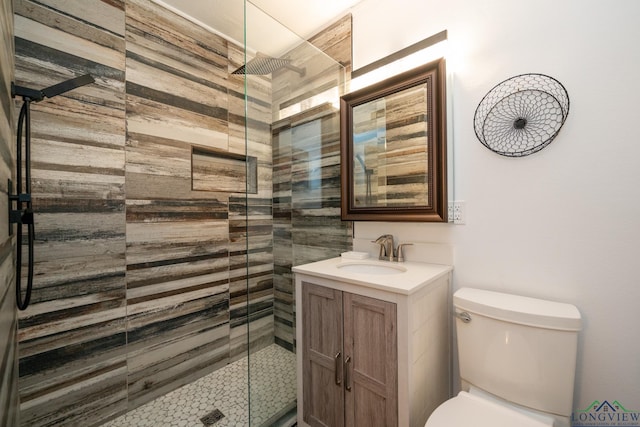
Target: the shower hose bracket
(26, 93)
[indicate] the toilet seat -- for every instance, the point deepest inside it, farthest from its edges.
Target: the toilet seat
(467, 410)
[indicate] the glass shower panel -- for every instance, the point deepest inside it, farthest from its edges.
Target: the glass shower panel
(292, 94)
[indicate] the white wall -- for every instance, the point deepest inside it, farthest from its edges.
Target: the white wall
(561, 224)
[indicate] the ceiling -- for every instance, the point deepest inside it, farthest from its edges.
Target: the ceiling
(273, 26)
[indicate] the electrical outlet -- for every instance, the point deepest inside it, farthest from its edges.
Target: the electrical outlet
(459, 212)
(450, 211)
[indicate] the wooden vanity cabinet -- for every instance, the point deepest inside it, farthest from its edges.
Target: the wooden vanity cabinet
(371, 357)
(349, 359)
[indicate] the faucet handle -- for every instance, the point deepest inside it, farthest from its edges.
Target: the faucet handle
(383, 249)
(401, 252)
(386, 246)
(383, 238)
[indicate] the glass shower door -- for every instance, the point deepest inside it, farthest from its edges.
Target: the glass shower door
(292, 203)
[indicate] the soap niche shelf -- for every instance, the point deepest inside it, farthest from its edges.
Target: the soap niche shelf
(220, 171)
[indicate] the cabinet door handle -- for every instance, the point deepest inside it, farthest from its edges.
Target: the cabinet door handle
(338, 371)
(347, 365)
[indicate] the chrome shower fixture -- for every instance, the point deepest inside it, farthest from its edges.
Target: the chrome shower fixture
(262, 65)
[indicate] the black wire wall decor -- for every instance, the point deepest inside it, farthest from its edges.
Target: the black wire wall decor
(521, 115)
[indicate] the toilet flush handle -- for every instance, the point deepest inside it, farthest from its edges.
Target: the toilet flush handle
(464, 316)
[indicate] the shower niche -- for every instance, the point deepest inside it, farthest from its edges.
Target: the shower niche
(223, 171)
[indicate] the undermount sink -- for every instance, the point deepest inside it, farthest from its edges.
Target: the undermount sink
(371, 267)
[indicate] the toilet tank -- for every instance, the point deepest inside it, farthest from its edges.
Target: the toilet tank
(520, 349)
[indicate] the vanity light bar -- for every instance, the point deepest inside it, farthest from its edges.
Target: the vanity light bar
(416, 47)
(419, 53)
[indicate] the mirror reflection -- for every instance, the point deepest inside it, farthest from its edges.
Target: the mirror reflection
(389, 151)
(393, 148)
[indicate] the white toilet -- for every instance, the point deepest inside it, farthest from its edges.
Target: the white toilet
(517, 360)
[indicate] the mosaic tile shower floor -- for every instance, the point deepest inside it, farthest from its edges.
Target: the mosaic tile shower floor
(273, 387)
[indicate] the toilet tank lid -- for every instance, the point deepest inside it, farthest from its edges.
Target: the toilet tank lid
(518, 309)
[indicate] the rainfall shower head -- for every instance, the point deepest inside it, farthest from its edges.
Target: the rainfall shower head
(67, 85)
(51, 91)
(263, 65)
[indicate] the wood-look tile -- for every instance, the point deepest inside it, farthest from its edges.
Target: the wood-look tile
(153, 118)
(8, 319)
(179, 241)
(106, 15)
(124, 241)
(80, 401)
(335, 41)
(8, 341)
(212, 171)
(97, 16)
(176, 36)
(72, 337)
(60, 40)
(306, 209)
(178, 363)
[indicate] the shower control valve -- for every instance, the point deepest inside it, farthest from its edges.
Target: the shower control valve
(18, 216)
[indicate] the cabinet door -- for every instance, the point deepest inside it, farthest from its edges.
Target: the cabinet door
(322, 356)
(371, 362)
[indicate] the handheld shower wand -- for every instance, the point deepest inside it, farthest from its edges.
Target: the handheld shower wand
(23, 214)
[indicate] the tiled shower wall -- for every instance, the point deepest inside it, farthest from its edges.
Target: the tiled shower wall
(140, 281)
(306, 172)
(8, 318)
(72, 337)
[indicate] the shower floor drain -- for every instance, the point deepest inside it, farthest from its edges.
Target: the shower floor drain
(212, 417)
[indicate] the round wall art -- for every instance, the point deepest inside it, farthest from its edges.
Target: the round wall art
(521, 115)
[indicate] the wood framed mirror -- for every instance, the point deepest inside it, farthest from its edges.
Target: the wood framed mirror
(393, 148)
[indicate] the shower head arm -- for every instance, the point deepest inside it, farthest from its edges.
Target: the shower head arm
(300, 71)
(34, 95)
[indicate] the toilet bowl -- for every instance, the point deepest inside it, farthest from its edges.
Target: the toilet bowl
(517, 359)
(470, 409)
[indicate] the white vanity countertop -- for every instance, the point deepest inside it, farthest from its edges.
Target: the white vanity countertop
(416, 276)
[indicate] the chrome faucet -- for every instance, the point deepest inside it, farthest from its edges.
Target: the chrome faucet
(387, 249)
